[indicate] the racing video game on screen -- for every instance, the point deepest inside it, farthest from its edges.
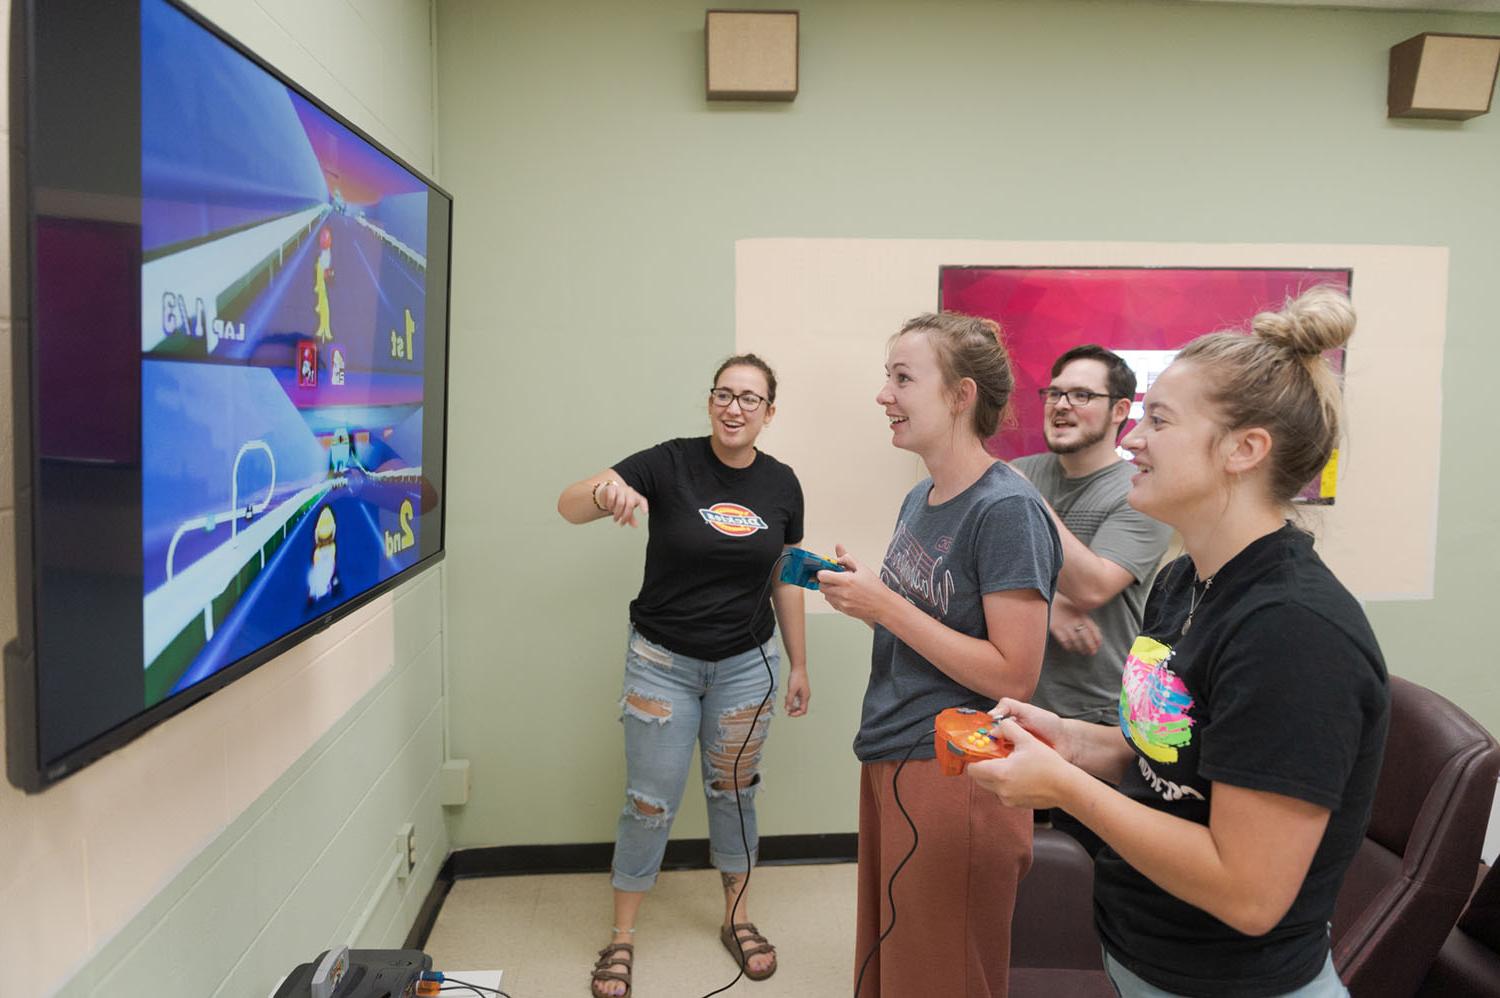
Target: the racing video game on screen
(283, 294)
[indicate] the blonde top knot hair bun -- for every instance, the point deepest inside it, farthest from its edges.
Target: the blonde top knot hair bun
(1277, 378)
(1319, 319)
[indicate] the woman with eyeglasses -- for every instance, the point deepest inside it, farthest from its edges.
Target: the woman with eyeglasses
(959, 610)
(702, 654)
(1254, 704)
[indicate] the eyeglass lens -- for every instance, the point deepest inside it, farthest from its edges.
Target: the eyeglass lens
(749, 401)
(1076, 396)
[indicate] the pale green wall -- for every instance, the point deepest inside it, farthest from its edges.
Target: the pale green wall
(297, 871)
(598, 200)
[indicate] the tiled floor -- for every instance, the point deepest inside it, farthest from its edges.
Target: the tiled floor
(544, 932)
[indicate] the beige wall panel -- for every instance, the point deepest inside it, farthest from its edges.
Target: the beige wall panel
(824, 308)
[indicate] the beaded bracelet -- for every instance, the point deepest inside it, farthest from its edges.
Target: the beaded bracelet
(595, 494)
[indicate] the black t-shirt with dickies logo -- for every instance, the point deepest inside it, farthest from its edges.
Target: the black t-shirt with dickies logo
(715, 535)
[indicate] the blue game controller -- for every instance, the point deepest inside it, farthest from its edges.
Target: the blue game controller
(801, 568)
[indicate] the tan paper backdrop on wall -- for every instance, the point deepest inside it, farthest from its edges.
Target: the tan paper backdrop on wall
(821, 311)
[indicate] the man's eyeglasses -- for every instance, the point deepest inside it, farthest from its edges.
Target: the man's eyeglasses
(721, 397)
(1077, 397)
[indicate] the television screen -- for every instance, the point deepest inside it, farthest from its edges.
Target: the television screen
(230, 379)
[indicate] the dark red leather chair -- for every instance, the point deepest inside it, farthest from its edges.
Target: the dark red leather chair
(1402, 894)
(1054, 950)
(1468, 965)
(1413, 875)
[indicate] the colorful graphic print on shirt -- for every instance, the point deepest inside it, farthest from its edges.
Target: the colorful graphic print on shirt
(915, 574)
(732, 520)
(1155, 706)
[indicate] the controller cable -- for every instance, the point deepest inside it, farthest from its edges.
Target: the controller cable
(739, 808)
(447, 984)
(744, 838)
(478, 989)
(760, 601)
(890, 886)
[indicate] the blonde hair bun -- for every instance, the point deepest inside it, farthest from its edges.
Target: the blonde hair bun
(1319, 319)
(973, 347)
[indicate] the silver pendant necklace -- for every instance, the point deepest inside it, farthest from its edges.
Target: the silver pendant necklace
(1194, 600)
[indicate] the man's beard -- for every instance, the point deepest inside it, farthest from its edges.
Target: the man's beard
(1083, 444)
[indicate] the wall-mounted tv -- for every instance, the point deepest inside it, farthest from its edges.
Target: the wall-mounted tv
(230, 370)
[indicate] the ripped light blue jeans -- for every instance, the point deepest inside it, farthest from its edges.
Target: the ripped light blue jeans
(669, 704)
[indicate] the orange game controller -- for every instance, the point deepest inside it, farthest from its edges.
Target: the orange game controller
(963, 735)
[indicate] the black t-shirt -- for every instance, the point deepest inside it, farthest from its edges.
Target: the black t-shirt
(716, 532)
(1279, 686)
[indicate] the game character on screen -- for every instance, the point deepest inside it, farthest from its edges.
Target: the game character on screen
(1254, 705)
(702, 654)
(325, 253)
(322, 578)
(322, 274)
(959, 610)
(339, 451)
(307, 364)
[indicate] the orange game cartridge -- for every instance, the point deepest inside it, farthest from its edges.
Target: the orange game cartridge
(964, 735)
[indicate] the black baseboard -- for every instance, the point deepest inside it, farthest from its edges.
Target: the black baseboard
(594, 857)
(416, 937)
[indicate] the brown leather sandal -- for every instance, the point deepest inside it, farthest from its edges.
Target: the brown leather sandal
(610, 956)
(737, 946)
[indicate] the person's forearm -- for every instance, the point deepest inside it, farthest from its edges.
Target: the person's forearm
(1098, 749)
(1085, 578)
(1179, 856)
(972, 662)
(576, 504)
(789, 602)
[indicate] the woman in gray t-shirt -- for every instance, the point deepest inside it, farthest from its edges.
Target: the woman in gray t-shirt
(959, 610)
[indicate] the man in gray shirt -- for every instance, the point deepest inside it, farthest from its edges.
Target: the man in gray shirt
(1110, 551)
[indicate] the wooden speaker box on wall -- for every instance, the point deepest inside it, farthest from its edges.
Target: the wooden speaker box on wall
(751, 54)
(1442, 76)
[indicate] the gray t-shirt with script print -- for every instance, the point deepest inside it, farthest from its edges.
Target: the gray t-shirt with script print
(994, 536)
(1094, 509)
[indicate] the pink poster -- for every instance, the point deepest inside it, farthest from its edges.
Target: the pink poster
(1144, 314)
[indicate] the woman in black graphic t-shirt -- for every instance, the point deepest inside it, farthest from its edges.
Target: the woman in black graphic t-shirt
(1254, 705)
(696, 669)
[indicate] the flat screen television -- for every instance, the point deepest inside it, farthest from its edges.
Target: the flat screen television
(230, 371)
